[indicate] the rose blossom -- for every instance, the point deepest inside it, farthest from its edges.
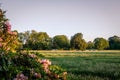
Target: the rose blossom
(8, 26)
(32, 55)
(37, 75)
(45, 61)
(0, 44)
(21, 77)
(1, 39)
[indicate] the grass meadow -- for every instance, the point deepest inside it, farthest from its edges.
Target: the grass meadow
(87, 65)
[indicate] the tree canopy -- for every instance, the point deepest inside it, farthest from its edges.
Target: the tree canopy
(114, 42)
(101, 43)
(41, 41)
(60, 42)
(90, 45)
(37, 40)
(77, 42)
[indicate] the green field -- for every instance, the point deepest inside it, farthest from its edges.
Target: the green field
(88, 65)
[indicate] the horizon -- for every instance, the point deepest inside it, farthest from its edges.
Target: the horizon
(92, 18)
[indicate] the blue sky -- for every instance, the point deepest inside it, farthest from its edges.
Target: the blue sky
(93, 18)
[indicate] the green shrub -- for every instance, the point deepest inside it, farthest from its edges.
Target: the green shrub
(28, 67)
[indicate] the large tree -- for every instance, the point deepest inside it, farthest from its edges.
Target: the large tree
(61, 42)
(38, 41)
(114, 42)
(77, 42)
(101, 43)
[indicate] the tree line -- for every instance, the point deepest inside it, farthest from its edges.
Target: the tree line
(34, 40)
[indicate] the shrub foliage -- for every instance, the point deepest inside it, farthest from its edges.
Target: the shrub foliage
(22, 65)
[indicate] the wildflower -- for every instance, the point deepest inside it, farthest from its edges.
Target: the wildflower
(45, 61)
(46, 70)
(21, 77)
(8, 49)
(64, 73)
(9, 32)
(32, 71)
(14, 33)
(37, 75)
(1, 39)
(0, 44)
(56, 76)
(45, 64)
(32, 55)
(8, 26)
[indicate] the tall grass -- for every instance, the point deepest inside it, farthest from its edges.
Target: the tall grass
(88, 65)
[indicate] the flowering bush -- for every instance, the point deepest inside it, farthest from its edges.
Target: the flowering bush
(22, 66)
(21, 77)
(8, 39)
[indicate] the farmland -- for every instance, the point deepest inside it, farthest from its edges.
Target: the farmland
(87, 65)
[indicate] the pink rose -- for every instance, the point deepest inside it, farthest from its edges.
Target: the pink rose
(1, 39)
(8, 26)
(0, 44)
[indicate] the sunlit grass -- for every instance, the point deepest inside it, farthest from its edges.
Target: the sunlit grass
(104, 65)
(81, 54)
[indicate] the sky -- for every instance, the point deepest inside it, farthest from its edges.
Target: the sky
(92, 18)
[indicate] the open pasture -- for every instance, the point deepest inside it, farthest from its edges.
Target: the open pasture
(87, 65)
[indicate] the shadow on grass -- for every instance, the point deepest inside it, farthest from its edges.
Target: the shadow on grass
(110, 76)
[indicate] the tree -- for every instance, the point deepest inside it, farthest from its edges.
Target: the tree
(101, 43)
(77, 42)
(90, 45)
(38, 41)
(8, 39)
(23, 38)
(114, 42)
(44, 41)
(61, 42)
